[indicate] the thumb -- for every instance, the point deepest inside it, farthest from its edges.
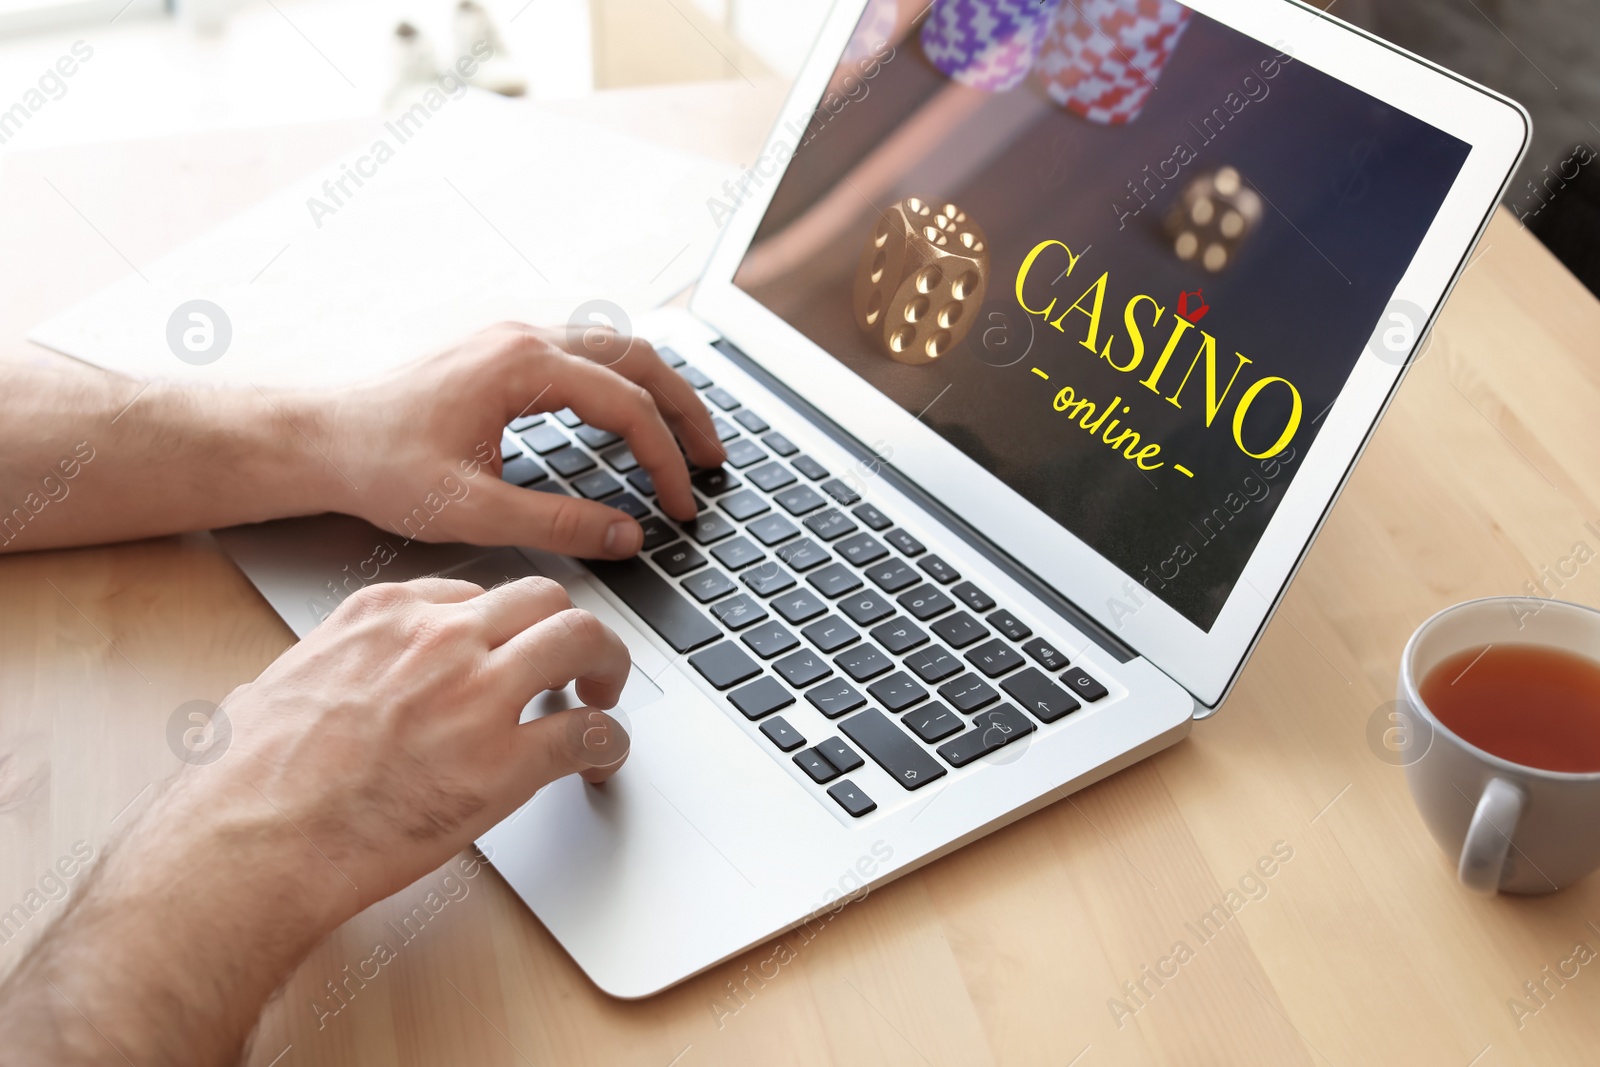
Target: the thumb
(583, 741)
(505, 514)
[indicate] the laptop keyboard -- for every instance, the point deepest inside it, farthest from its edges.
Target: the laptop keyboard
(788, 586)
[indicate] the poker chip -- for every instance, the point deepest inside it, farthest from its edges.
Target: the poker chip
(875, 29)
(1101, 58)
(987, 44)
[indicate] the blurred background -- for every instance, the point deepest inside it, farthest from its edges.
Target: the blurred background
(165, 67)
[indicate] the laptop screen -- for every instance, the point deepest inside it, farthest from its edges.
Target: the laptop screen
(1121, 255)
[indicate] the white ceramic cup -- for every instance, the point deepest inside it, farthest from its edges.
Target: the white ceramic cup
(1510, 827)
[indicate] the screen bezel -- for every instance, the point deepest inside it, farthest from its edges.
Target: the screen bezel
(1204, 662)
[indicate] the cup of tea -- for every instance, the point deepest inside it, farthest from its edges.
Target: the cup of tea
(1501, 698)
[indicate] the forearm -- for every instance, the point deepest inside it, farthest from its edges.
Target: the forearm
(87, 456)
(170, 950)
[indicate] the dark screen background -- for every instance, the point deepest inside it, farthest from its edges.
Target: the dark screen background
(1351, 186)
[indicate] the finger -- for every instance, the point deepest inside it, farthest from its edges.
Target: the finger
(513, 607)
(501, 514)
(603, 398)
(568, 646)
(579, 741)
(680, 404)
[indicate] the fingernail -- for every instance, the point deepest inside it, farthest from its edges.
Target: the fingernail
(623, 538)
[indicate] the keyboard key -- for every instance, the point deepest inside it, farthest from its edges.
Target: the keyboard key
(524, 422)
(708, 585)
(875, 519)
(798, 606)
(969, 693)
(862, 549)
(669, 357)
(779, 444)
(569, 462)
(767, 578)
(642, 483)
(924, 602)
(522, 470)
(744, 452)
(863, 662)
(960, 629)
(1009, 625)
(834, 580)
(892, 749)
(544, 439)
(551, 487)
(933, 722)
(656, 533)
(835, 698)
(745, 504)
(899, 635)
(939, 570)
(933, 664)
(852, 799)
(973, 597)
(761, 697)
(694, 376)
(725, 665)
(991, 730)
(1078, 680)
(994, 658)
(839, 491)
(803, 554)
(751, 421)
(595, 437)
(830, 525)
(773, 529)
(740, 611)
(780, 733)
(866, 608)
(621, 459)
(811, 761)
(678, 559)
(769, 639)
(893, 575)
(510, 448)
(809, 467)
(771, 476)
(841, 755)
(629, 504)
(725, 430)
(739, 552)
(802, 668)
(722, 398)
(897, 692)
(597, 484)
(709, 527)
(569, 418)
(1045, 654)
(799, 500)
(1038, 695)
(667, 611)
(830, 634)
(905, 542)
(714, 482)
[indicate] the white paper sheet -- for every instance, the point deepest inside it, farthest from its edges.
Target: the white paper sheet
(488, 211)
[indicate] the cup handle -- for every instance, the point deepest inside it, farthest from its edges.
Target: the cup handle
(1483, 854)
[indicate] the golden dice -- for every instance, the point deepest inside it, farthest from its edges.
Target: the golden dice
(921, 280)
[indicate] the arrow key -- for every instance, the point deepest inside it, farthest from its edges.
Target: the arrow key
(839, 754)
(852, 799)
(1041, 697)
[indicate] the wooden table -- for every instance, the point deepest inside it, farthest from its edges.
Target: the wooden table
(1358, 949)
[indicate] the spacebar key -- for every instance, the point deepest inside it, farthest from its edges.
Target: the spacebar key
(892, 748)
(668, 611)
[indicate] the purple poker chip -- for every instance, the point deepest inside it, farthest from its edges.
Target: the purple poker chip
(987, 44)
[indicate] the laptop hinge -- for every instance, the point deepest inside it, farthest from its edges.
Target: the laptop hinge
(980, 544)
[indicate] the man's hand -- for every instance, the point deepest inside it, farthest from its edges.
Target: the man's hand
(420, 430)
(366, 756)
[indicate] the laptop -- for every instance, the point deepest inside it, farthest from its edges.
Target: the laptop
(1041, 337)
